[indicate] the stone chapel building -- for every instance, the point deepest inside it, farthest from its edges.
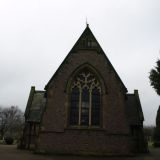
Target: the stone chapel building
(85, 108)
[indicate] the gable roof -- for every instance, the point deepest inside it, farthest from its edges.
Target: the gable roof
(35, 106)
(87, 41)
(134, 109)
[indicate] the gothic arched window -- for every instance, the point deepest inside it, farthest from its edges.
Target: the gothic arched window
(85, 99)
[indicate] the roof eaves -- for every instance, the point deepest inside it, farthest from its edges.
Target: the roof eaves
(31, 95)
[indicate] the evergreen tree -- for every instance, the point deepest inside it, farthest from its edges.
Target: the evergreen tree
(158, 117)
(155, 77)
(155, 83)
(156, 136)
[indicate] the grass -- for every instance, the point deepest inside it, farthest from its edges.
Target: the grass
(150, 144)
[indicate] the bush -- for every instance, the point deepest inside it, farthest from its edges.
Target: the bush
(8, 140)
(156, 144)
(156, 134)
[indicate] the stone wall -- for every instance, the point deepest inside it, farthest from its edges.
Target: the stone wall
(114, 131)
(88, 142)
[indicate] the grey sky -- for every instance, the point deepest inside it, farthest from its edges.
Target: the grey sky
(36, 35)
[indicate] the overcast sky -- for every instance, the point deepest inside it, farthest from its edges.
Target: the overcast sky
(36, 35)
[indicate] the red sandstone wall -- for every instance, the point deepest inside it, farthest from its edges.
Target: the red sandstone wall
(84, 142)
(114, 124)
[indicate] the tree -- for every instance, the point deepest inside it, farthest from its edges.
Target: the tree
(148, 131)
(156, 136)
(11, 121)
(155, 77)
(155, 83)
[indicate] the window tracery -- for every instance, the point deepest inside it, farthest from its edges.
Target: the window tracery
(85, 99)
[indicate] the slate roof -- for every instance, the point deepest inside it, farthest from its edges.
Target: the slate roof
(134, 109)
(35, 106)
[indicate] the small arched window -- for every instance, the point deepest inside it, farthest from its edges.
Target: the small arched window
(85, 101)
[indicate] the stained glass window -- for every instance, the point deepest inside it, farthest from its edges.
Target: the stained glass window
(85, 107)
(74, 110)
(85, 99)
(95, 107)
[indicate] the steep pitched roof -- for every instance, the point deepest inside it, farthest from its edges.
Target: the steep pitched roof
(87, 41)
(35, 105)
(134, 109)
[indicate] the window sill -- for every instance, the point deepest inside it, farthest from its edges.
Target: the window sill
(84, 128)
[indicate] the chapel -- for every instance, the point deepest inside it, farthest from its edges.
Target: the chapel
(85, 108)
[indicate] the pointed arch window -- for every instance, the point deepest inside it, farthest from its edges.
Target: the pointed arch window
(85, 101)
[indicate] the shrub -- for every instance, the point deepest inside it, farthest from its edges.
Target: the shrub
(8, 140)
(156, 144)
(156, 134)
